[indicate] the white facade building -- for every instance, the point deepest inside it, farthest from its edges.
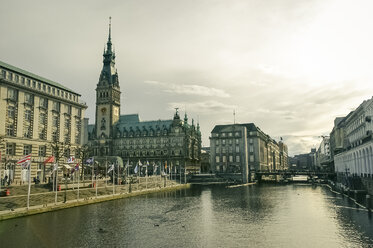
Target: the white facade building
(357, 159)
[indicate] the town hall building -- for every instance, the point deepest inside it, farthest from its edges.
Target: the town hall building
(172, 142)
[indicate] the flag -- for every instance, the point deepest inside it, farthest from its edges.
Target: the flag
(127, 164)
(71, 160)
(25, 161)
(135, 170)
(111, 168)
(55, 167)
(49, 160)
(140, 164)
(75, 168)
(89, 161)
(147, 164)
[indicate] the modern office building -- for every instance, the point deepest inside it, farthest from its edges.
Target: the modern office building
(244, 149)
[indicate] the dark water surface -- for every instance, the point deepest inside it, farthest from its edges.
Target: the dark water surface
(203, 216)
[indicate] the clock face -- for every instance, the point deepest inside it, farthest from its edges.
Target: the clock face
(103, 111)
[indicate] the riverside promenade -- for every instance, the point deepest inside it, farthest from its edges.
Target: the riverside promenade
(43, 199)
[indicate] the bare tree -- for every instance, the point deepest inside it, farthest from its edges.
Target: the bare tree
(82, 152)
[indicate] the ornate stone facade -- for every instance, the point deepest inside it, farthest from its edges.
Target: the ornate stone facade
(173, 142)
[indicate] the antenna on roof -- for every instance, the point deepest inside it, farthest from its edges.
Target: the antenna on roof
(234, 116)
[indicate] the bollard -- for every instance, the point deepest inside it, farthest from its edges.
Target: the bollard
(368, 202)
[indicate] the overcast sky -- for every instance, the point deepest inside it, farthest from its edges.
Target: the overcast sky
(289, 66)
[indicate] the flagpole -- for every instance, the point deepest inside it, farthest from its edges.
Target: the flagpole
(93, 167)
(54, 178)
(118, 174)
(29, 184)
(78, 182)
(96, 186)
(113, 180)
(55, 198)
(106, 174)
(146, 178)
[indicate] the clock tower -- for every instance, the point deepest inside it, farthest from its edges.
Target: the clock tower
(107, 94)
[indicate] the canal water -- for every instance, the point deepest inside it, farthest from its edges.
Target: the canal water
(203, 216)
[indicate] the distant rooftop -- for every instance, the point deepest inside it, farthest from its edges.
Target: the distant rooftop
(34, 76)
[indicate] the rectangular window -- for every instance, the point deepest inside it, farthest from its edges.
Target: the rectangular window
(28, 115)
(224, 159)
(12, 94)
(44, 87)
(42, 150)
(250, 140)
(42, 119)
(3, 73)
(53, 91)
(28, 82)
(237, 149)
(23, 81)
(68, 109)
(237, 159)
(56, 106)
(251, 158)
(10, 129)
(237, 141)
(43, 103)
(27, 131)
(217, 142)
(17, 78)
(10, 76)
(223, 150)
(42, 134)
(10, 149)
(223, 142)
(11, 112)
(27, 149)
(230, 149)
(251, 148)
(49, 89)
(39, 86)
(217, 150)
(230, 141)
(58, 92)
(230, 158)
(217, 159)
(29, 99)
(55, 121)
(33, 84)
(230, 134)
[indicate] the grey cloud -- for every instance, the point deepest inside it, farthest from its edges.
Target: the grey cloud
(189, 89)
(208, 107)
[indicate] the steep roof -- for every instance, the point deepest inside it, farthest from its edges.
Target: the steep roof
(133, 121)
(34, 76)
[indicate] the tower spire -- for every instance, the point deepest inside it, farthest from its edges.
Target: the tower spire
(110, 28)
(108, 44)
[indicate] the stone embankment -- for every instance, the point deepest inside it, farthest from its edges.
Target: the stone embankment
(43, 199)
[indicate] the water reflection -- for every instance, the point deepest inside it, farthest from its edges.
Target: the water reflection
(203, 216)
